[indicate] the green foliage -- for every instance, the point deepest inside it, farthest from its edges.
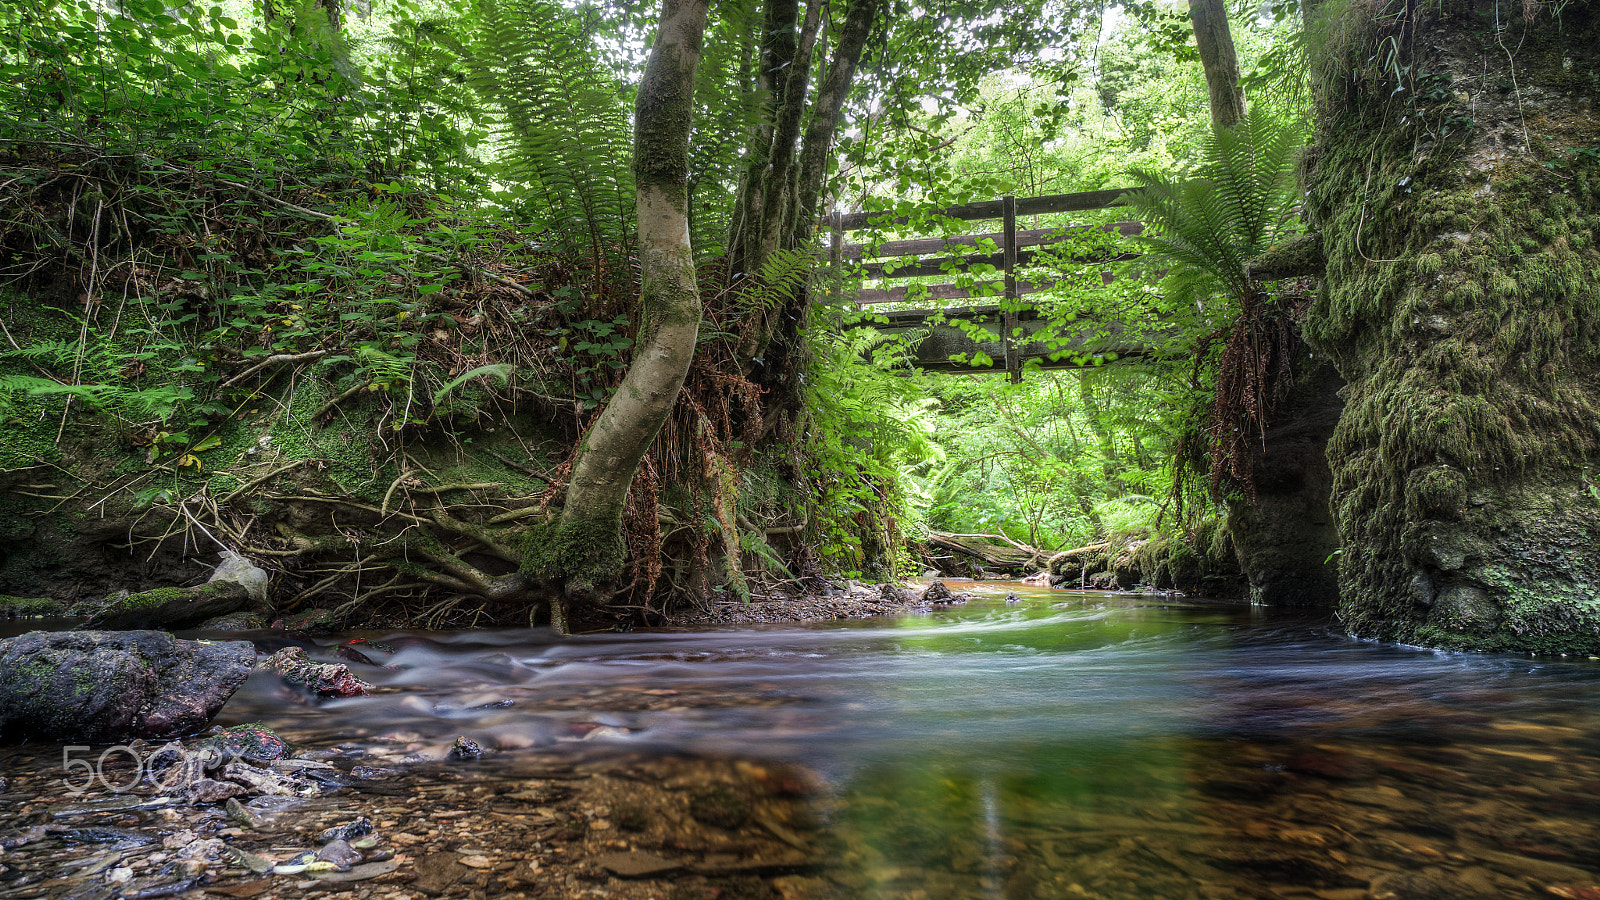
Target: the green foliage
(1238, 201)
(565, 118)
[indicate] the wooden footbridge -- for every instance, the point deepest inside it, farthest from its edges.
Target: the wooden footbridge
(1018, 331)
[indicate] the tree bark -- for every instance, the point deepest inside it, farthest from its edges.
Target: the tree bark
(1221, 64)
(817, 146)
(585, 548)
(1459, 306)
(777, 205)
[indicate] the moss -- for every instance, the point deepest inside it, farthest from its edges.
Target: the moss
(29, 606)
(1459, 304)
(581, 555)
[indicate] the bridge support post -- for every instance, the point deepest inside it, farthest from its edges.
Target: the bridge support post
(1008, 319)
(836, 258)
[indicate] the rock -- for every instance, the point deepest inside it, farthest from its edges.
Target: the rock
(362, 872)
(254, 742)
(310, 620)
(114, 686)
(1013, 598)
(340, 853)
(721, 806)
(320, 679)
(236, 569)
(359, 827)
(207, 790)
(438, 872)
(635, 864)
(29, 607)
(243, 620)
(169, 607)
(1465, 608)
(893, 593)
(937, 593)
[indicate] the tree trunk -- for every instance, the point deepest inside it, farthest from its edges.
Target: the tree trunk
(585, 550)
(1221, 65)
(1460, 307)
(779, 193)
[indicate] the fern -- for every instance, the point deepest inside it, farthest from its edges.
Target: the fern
(1208, 227)
(499, 370)
(565, 118)
(783, 275)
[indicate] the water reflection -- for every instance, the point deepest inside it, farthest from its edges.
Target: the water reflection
(1072, 745)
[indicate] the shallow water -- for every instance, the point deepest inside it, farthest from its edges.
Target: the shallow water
(1014, 750)
(1070, 745)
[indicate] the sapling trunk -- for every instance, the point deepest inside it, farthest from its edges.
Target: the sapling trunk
(584, 549)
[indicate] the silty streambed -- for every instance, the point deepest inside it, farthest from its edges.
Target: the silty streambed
(1069, 745)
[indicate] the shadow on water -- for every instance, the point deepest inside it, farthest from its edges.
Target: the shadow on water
(1070, 745)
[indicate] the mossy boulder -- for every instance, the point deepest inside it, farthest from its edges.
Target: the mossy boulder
(107, 686)
(170, 607)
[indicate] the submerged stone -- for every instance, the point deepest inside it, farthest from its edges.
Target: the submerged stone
(253, 741)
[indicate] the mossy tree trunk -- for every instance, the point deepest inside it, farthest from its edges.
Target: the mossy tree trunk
(584, 550)
(1457, 210)
(780, 193)
(1218, 60)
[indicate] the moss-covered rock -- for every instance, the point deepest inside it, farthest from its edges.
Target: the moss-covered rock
(170, 607)
(1460, 304)
(28, 607)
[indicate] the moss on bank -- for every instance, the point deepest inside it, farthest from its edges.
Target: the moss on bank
(1460, 305)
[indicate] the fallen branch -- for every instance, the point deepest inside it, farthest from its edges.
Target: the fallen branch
(273, 360)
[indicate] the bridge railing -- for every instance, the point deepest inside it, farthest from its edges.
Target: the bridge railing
(1009, 239)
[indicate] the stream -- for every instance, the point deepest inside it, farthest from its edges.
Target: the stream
(1067, 745)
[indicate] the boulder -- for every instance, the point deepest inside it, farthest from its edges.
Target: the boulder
(318, 679)
(113, 686)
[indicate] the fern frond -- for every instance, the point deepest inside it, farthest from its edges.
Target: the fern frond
(1239, 202)
(564, 118)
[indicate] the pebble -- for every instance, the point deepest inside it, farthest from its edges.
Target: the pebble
(340, 853)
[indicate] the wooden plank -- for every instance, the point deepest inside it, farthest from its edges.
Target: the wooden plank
(949, 292)
(1008, 209)
(991, 209)
(936, 267)
(1033, 237)
(869, 296)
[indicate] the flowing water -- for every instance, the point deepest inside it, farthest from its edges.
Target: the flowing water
(1068, 745)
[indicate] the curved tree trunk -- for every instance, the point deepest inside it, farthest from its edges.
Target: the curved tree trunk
(585, 550)
(1459, 304)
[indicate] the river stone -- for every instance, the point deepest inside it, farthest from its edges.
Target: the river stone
(635, 864)
(170, 607)
(108, 686)
(243, 620)
(320, 679)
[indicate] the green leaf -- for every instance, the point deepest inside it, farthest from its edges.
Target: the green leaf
(500, 370)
